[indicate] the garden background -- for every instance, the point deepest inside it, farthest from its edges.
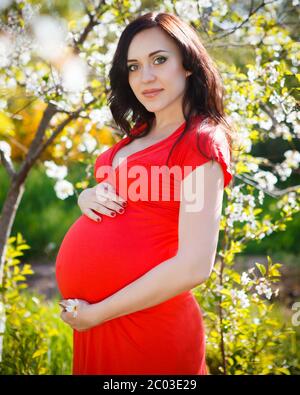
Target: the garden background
(55, 120)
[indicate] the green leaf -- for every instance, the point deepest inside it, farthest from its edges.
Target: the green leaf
(261, 268)
(39, 352)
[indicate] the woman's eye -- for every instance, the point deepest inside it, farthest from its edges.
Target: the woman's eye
(160, 57)
(129, 67)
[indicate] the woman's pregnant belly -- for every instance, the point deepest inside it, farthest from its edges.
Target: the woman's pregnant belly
(95, 260)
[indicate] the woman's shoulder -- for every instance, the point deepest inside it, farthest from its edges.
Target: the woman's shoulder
(197, 133)
(204, 141)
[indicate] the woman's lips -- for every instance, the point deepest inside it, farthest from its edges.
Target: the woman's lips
(152, 94)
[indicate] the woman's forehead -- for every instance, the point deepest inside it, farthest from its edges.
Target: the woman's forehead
(146, 42)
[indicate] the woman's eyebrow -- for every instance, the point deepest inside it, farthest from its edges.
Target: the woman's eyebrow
(150, 54)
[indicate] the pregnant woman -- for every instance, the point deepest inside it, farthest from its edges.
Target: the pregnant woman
(126, 277)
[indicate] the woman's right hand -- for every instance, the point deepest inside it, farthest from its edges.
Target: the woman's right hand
(103, 199)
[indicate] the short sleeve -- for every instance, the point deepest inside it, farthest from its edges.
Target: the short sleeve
(221, 153)
(201, 145)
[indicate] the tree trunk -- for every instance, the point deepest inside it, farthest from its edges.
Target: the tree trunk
(7, 218)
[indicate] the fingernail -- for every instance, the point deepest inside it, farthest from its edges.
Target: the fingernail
(121, 210)
(113, 214)
(98, 219)
(124, 204)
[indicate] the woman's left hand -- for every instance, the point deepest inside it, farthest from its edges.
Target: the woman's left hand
(78, 313)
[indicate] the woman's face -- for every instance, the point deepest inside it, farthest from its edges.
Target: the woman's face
(162, 70)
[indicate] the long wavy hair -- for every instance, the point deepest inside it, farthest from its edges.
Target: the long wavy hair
(204, 88)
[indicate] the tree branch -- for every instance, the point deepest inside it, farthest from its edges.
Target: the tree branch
(63, 124)
(251, 12)
(275, 194)
(37, 141)
(8, 165)
(92, 23)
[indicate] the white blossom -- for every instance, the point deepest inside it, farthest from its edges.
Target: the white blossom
(3, 104)
(235, 212)
(87, 97)
(267, 223)
(24, 57)
(279, 115)
(74, 97)
(261, 196)
(4, 4)
(292, 158)
(237, 101)
(63, 189)
(265, 179)
(273, 77)
(289, 202)
(2, 327)
(88, 143)
(134, 5)
(71, 306)
(74, 74)
(68, 142)
(100, 116)
(253, 167)
(5, 148)
(281, 131)
(107, 17)
(219, 288)
(251, 75)
(187, 9)
(6, 49)
(292, 161)
(29, 12)
(240, 295)
(255, 35)
(283, 170)
(265, 123)
(245, 279)
(49, 34)
(55, 171)
(268, 293)
(291, 117)
(262, 288)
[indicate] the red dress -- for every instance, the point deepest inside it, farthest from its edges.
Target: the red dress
(95, 260)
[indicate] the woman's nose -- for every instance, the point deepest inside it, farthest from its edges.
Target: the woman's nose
(147, 75)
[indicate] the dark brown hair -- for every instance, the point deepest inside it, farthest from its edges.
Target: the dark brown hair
(204, 88)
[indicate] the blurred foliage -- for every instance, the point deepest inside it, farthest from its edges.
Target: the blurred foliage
(36, 340)
(44, 217)
(255, 339)
(20, 132)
